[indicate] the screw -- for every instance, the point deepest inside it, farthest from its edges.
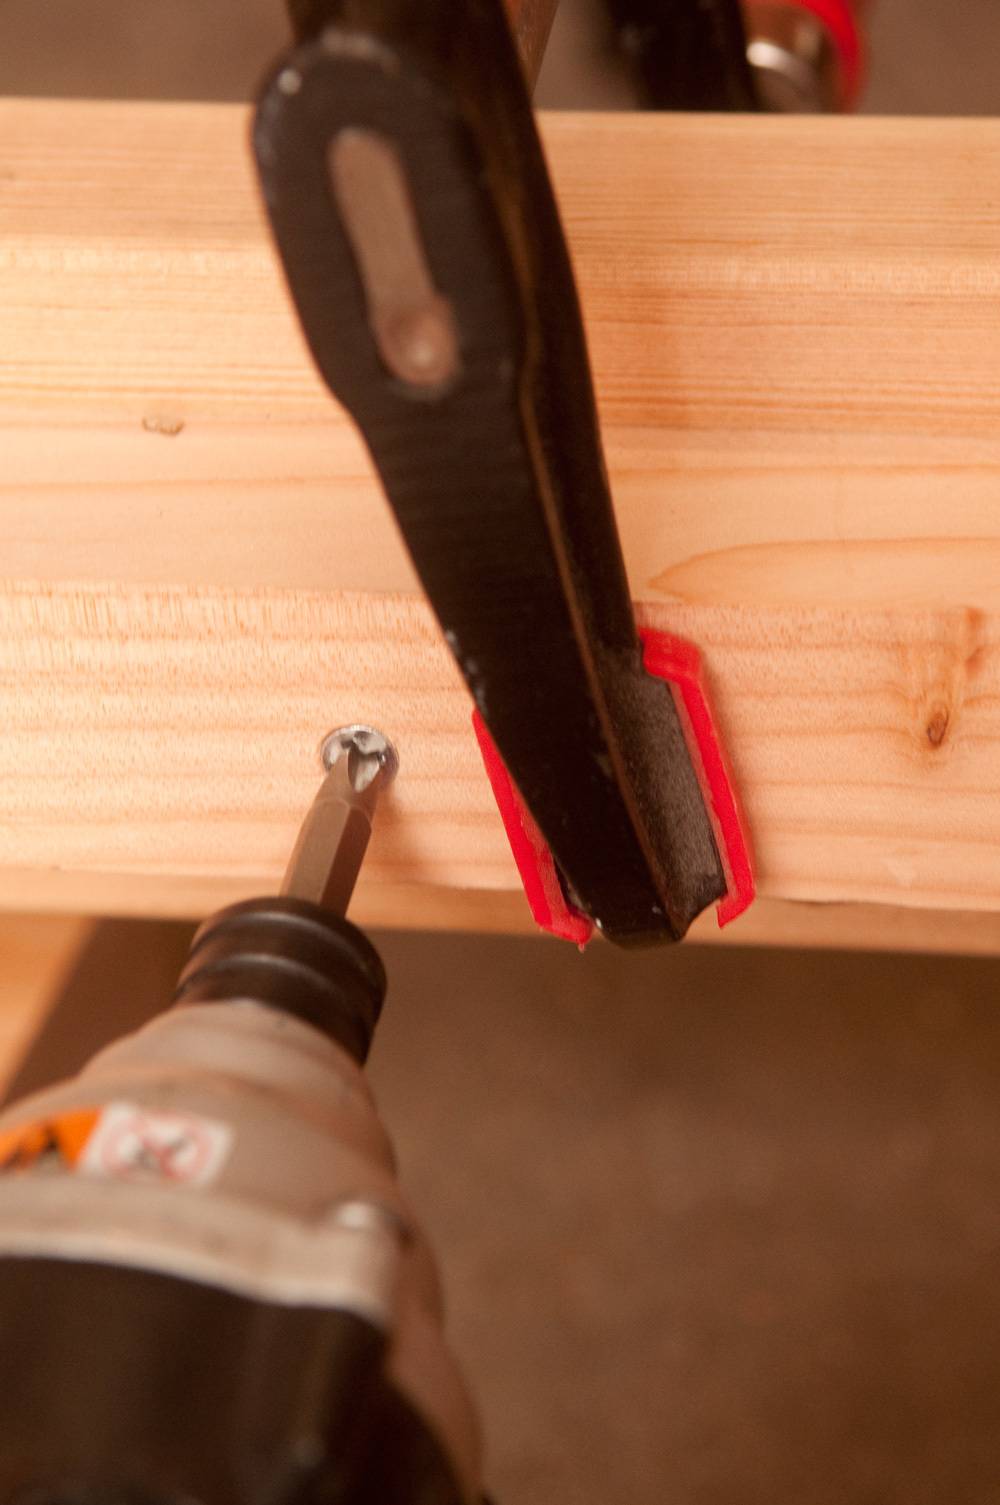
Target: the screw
(369, 743)
(334, 836)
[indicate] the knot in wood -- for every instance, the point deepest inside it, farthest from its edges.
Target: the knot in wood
(937, 725)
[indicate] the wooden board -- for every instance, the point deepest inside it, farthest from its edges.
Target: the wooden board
(37, 954)
(799, 376)
(408, 906)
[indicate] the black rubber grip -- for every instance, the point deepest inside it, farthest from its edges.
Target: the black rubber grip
(292, 956)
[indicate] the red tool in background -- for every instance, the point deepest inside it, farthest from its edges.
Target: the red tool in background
(806, 55)
(779, 55)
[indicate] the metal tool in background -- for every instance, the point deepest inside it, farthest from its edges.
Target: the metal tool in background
(777, 55)
(686, 56)
(212, 1289)
(806, 56)
(412, 209)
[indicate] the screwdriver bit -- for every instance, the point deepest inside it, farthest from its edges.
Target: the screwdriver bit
(332, 842)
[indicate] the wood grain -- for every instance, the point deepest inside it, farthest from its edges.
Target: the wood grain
(799, 376)
(175, 732)
(37, 954)
(408, 906)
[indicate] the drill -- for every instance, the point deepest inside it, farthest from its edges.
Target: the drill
(212, 1290)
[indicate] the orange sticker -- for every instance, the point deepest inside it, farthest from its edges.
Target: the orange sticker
(63, 1138)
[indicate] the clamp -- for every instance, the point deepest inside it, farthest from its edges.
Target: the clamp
(413, 212)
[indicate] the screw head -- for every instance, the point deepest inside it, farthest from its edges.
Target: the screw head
(368, 741)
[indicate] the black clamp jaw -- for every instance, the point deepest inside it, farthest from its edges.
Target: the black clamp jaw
(413, 212)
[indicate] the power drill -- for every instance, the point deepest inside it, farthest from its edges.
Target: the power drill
(212, 1290)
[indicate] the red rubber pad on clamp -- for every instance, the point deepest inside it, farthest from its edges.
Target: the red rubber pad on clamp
(841, 24)
(549, 906)
(678, 663)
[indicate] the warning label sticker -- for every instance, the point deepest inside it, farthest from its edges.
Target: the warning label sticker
(123, 1141)
(129, 1141)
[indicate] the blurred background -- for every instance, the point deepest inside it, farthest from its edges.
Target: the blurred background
(930, 57)
(718, 1227)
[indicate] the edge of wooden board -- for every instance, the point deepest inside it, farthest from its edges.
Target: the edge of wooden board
(69, 897)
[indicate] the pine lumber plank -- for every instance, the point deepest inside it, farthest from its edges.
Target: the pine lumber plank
(787, 317)
(37, 954)
(408, 906)
(799, 379)
(174, 731)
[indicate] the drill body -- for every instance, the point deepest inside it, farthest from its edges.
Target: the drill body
(212, 1290)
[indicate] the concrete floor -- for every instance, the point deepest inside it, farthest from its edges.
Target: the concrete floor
(718, 1228)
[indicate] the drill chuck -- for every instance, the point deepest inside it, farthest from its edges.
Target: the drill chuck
(294, 956)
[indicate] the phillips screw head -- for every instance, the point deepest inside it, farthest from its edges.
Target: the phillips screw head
(324, 866)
